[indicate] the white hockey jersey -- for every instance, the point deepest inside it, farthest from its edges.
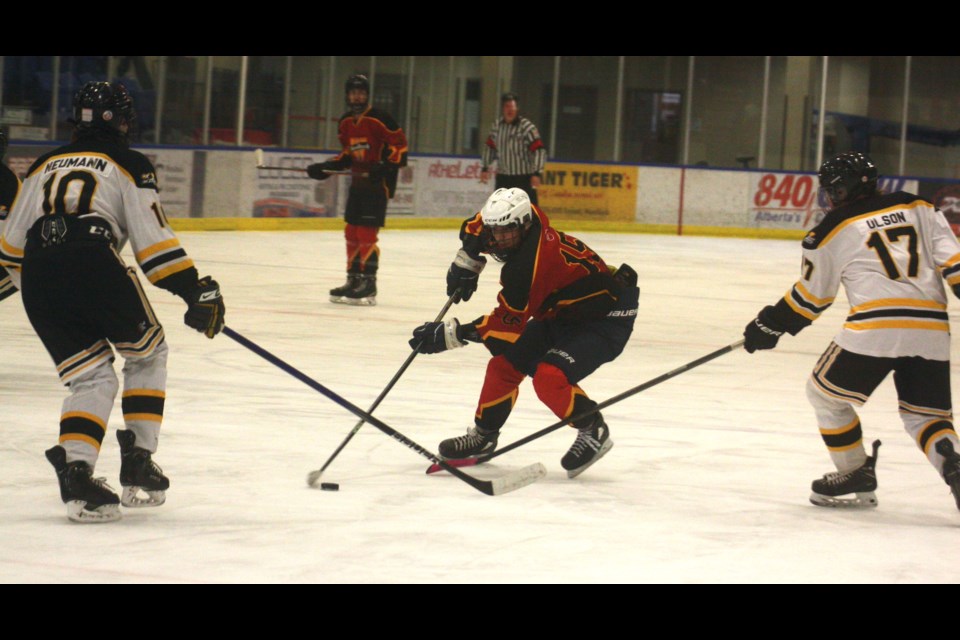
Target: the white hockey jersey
(119, 185)
(891, 253)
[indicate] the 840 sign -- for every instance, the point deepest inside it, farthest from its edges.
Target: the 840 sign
(786, 200)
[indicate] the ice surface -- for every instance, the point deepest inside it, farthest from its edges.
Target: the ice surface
(708, 481)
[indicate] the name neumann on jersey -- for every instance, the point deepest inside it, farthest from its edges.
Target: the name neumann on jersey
(88, 162)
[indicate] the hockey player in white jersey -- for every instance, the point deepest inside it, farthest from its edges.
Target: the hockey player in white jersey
(891, 252)
(78, 207)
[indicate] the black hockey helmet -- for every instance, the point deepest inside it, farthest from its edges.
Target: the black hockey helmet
(848, 176)
(3, 143)
(104, 107)
(362, 83)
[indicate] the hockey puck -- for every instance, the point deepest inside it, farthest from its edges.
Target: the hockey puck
(330, 486)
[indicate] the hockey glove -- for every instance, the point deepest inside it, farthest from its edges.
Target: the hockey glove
(205, 311)
(761, 333)
(319, 170)
(463, 275)
(434, 337)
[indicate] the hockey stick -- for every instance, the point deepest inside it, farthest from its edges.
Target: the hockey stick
(469, 462)
(497, 486)
(258, 153)
(314, 476)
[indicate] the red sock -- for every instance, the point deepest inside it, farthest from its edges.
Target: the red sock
(499, 394)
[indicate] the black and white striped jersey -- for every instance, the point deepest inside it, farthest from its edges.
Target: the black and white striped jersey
(516, 148)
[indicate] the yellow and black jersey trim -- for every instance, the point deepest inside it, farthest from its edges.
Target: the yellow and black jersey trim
(840, 218)
(163, 259)
(804, 303)
(950, 270)
(99, 353)
(132, 164)
(10, 256)
(898, 313)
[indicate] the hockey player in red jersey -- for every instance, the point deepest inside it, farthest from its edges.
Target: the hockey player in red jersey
(79, 206)
(561, 314)
(374, 149)
(891, 252)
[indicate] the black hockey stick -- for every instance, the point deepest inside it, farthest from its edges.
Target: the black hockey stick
(258, 154)
(314, 476)
(469, 462)
(503, 484)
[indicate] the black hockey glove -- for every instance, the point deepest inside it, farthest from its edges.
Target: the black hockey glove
(205, 311)
(378, 171)
(463, 275)
(319, 170)
(434, 337)
(761, 333)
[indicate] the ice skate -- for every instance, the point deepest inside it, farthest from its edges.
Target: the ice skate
(592, 443)
(339, 294)
(138, 472)
(862, 482)
(951, 467)
(88, 499)
(364, 294)
(475, 444)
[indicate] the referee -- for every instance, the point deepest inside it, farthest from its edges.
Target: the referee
(515, 145)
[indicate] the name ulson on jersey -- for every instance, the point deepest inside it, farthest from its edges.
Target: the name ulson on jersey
(886, 220)
(87, 162)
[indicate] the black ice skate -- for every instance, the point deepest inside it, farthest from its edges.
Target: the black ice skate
(139, 472)
(862, 482)
(88, 499)
(592, 443)
(339, 294)
(475, 444)
(364, 294)
(951, 467)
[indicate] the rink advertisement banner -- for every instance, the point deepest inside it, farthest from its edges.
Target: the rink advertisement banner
(448, 187)
(287, 192)
(174, 179)
(595, 192)
(793, 201)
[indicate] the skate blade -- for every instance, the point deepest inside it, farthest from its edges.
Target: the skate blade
(131, 498)
(862, 500)
(338, 299)
(77, 512)
(573, 473)
(362, 302)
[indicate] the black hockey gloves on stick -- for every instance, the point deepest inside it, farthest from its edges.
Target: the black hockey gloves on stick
(205, 308)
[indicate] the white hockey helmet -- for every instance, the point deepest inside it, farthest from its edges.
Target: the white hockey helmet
(507, 216)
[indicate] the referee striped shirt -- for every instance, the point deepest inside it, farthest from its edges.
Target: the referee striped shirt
(516, 148)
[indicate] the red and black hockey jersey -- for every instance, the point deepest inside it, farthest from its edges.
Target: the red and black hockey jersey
(368, 139)
(551, 276)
